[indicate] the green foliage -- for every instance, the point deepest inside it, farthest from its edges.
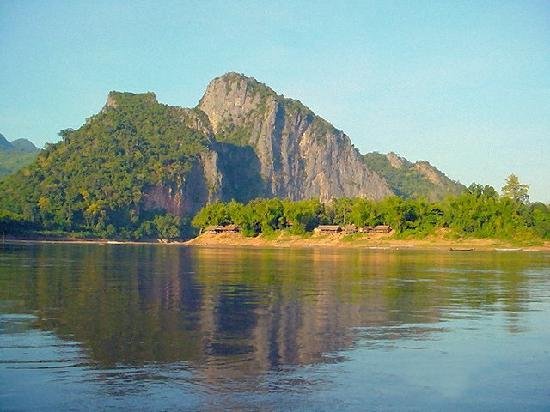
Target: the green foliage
(513, 189)
(408, 182)
(237, 135)
(303, 216)
(14, 224)
(481, 213)
(11, 161)
(167, 226)
(477, 213)
(538, 217)
(95, 178)
(213, 214)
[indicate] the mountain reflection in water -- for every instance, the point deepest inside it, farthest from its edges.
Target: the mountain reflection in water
(225, 317)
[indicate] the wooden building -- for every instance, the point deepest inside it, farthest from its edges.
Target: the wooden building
(230, 229)
(328, 229)
(348, 229)
(221, 229)
(382, 229)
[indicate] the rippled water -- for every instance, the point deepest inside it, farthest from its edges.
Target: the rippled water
(167, 327)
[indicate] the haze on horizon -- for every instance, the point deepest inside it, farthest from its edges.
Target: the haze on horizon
(465, 86)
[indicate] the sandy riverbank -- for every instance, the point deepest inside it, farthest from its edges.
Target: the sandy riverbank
(372, 241)
(340, 241)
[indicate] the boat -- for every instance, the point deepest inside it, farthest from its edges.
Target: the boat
(461, 249)
(508, 249)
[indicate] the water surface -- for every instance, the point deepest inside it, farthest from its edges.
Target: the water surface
(167, 327)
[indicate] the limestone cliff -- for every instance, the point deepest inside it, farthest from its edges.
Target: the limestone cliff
(299, 154)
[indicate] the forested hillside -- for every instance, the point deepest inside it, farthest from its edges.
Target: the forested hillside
(97, 177)
(412, 180)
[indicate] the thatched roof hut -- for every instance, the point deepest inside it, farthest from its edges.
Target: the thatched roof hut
(221, 229)
(212, 229)
(350, 228)
(328, 229)
(230, 229)
(382, 229)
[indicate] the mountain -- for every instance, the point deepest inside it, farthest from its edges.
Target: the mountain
(15, 154)
(406, 179)
(18, 145)
(24, 146)
(4, 144)
(138, 159)
(298, 154)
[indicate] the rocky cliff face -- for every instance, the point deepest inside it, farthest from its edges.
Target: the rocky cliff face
(200, 185)
(262, 144)
(298, 154)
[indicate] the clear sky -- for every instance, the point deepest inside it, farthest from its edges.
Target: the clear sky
(463, 84)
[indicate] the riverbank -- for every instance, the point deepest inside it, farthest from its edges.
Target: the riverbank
(362, 241)
(339, 241)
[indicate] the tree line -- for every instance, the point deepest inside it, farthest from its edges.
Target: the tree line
(479, 212)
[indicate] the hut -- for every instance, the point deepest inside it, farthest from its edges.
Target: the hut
(348, 229)
(365, 229)
(212, 229)
(230, 229)
(328, 229)
(382, 229)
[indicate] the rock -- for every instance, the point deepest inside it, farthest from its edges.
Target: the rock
(299, 154)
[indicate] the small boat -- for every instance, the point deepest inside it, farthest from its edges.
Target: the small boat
(461, 249)
(508, 249)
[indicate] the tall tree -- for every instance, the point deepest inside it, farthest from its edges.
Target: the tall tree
(515, 190)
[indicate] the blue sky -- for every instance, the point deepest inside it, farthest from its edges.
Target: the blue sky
(463, 84)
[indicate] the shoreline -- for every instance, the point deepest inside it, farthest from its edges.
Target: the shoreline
(286, 241)
(366, 242)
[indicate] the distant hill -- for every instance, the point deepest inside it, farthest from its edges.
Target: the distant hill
(15, 154)
(18, 145)
(4, 144)
(137, 160)
(24, 146)
(410, 180)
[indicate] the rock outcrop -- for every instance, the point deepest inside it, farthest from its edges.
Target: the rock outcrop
(299, 154)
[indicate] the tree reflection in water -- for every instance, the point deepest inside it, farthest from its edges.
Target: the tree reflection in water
(230, 313)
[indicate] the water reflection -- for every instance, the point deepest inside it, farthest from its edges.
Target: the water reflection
(244, 312)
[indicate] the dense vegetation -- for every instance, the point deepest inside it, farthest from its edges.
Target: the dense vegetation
(407, 181)
(11, 162)
(478, 213)
(93, 181)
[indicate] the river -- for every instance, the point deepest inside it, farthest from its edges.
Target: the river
(188, 328)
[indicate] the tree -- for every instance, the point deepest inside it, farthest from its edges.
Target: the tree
(168, 226)
(513, 189)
